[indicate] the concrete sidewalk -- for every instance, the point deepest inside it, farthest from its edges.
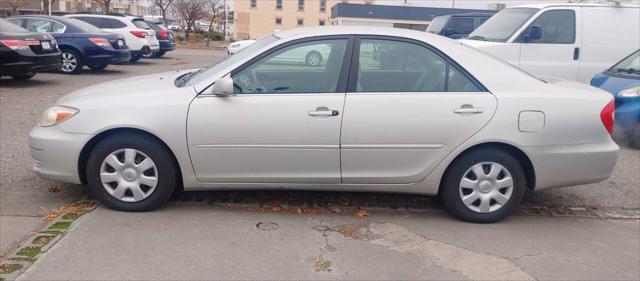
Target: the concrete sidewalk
(202, 241)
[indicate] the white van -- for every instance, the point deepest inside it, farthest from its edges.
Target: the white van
(568, 41)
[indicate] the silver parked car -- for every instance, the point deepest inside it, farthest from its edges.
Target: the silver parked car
(387, 110)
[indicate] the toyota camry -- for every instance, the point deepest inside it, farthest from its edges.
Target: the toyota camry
(388, 110)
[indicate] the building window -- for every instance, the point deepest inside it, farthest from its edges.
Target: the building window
(278, 4)
(300, 5)
(321, 23)
(323, 6)
(278, 20)
(254, 3)
(300, 22)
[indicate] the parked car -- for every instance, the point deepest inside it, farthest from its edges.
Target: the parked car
(238, 46)
(623, 81)
(568, 41)
(457, 26)
(140, 38)
(80, 43)
(440, 124)
(23, 53)
(165, 37)
(173, 27)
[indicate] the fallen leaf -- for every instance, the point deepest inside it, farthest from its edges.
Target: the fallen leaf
(54, 189)
(335, 210)
(361, 213)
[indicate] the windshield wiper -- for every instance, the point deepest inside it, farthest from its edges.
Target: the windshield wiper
(186, 77)
(628, 70)
(477, 37)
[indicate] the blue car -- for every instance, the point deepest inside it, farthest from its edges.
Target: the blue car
(623, 81)
(81, 44)
(165, 37)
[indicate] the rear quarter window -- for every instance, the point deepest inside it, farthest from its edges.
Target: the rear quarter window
(141, 24)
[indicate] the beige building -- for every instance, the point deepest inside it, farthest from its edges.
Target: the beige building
(254, 18)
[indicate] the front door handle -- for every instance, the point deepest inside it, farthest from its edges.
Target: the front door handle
(576, 53)
(324, 111)
(468, 109)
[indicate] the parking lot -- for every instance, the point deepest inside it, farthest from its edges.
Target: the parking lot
(201, 233)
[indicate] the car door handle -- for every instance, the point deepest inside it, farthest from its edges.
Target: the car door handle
(467, 109)
(324, 111)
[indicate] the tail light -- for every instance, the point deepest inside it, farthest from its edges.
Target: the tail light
(607, 116)
(164, 35)
(102, 42)
(138, 33)
(15, 44)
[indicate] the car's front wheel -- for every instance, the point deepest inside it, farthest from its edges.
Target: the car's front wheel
(483, 186)
(131, 172)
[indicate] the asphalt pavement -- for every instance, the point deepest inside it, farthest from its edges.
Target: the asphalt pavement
(193, 241)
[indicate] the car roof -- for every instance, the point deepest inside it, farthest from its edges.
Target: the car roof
(548, 5)
(304, 32)
(94, 16)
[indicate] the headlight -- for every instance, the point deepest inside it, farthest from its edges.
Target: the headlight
(57, 114)
(631, 92)
(234, 45)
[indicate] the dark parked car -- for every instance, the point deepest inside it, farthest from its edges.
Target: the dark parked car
(165, 37)
(457, 26)
(623, 81)
(81, 43)
(23, 53)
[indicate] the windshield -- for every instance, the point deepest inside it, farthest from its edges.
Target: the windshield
(6, 26)
(205, 73)
(502, 25)
(437, 24)
(84, 26)
(140, 23)
(629, 64)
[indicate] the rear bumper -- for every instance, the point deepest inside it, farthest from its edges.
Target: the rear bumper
(109, 57)
(25, 64)
(166, 45)
(566, 165)
(56, 153)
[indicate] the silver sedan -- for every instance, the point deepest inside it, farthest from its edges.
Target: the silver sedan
(387, 110)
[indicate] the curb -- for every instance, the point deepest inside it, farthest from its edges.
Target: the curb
(40, 242)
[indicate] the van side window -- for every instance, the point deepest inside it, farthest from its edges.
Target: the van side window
(557, 26)
(461, 25)
(396, 66)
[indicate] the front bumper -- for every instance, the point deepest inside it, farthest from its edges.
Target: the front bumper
(566, 165)
(56, 153)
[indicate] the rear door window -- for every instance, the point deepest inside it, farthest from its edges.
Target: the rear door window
(398, 66)
(141, 24)
(558, 27)
(114, 23)
(39, 25)
(95, 21)
(58, 27)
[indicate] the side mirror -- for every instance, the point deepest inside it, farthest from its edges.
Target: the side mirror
(534, 33)
(223, 87)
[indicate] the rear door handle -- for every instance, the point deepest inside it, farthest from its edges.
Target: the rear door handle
(324, 111)
(576, 53)
(467, 109)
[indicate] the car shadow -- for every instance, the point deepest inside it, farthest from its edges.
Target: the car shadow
(33, 82)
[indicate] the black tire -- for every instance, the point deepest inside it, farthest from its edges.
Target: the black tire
(24, 76)
(79, 63)
(135, 58)
(166, 177)
(98, 67)
(160, 54)
(313, 58)
(147, 53)
(634, 137)
(450, 189)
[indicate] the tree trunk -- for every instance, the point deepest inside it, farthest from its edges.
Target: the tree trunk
(187, 32)
(164, 16)
(209, 32)
(106, 6)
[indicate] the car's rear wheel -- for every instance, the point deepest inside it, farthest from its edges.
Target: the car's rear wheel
(313, 58)
(135, 58)
(98, 67)
(71, 62)
(24, 76)
(131, 172)
(147, 53)
(483, 186)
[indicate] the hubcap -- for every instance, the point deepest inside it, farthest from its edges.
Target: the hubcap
(69, 62)
(486, 187)
(129, 175)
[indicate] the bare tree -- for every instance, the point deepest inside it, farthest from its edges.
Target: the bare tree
(164, 6)
(190, 11)
(46, 6)
(215, 16)
(105, 3)
(13, 5)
